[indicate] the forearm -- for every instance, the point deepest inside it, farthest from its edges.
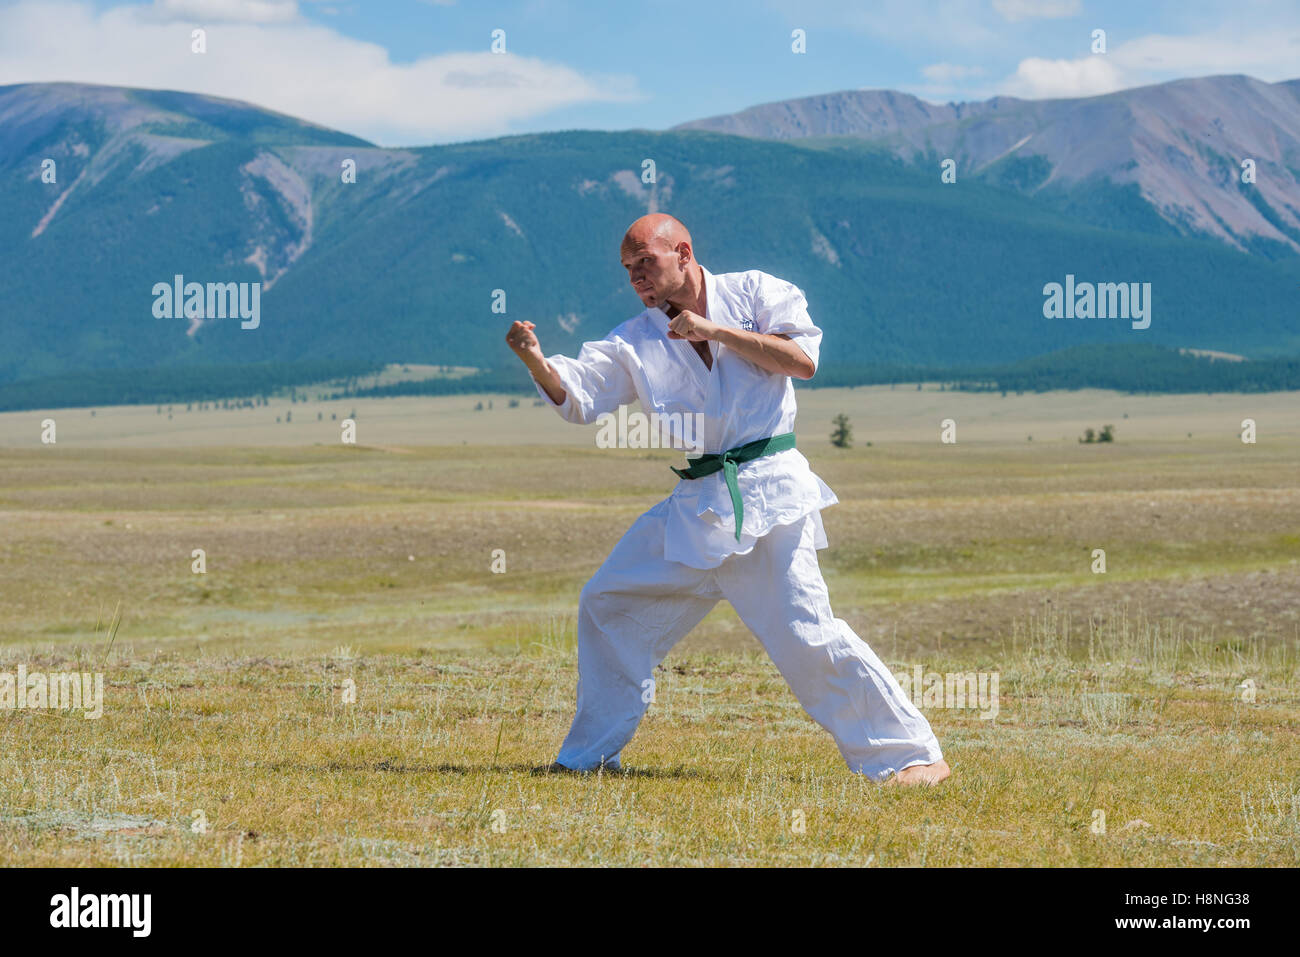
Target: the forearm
(546, 376)
(775, 353)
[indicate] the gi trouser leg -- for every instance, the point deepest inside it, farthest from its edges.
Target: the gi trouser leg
(630, 614)
(778, 592)
(638, 606)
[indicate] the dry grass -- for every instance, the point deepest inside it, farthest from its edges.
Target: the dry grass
(430, 765)
(1120, 693)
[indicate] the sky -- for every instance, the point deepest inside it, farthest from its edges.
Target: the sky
(422, 72)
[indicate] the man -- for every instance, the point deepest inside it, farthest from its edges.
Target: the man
(744, 525)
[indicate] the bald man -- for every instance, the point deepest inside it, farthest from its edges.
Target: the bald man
(743, 522)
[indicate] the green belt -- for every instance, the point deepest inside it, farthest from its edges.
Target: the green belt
(727, 462)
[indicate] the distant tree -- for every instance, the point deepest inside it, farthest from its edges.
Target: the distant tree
(1107, 434)
(1089, 436)
(842, 433)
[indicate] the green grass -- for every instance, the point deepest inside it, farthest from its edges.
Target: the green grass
(1120, 693)
(1132, 718)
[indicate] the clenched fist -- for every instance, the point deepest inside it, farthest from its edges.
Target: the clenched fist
(523, 340)
(690, 325)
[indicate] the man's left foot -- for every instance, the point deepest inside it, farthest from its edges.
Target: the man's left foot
(555, 767)
(930, 774)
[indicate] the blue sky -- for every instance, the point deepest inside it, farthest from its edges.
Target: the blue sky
(414, 72)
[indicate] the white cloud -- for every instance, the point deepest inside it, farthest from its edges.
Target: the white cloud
(294, 66)
(251, 11)
(950, 72)
(1037, 78)
(1269, 55)
(932, 26)
(1014, 10)
(1156, 58)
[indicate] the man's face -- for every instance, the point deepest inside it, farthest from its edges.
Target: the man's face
(654, 270)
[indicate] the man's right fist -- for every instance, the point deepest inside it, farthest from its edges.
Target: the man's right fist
(522, 339)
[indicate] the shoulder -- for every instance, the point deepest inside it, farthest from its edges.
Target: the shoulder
(631, 331)
(755, 282)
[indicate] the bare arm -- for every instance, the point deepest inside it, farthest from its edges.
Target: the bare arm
(775, 353)
(523, 341)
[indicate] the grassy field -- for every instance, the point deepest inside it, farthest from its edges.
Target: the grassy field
(1163, 694)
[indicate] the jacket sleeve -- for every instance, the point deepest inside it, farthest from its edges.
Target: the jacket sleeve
(780, 307)
(597, 381)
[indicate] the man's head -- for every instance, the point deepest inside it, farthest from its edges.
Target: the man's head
(657, 253)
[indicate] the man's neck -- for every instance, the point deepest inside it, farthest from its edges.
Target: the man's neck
(694, 295)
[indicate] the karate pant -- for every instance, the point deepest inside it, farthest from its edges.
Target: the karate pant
(638, 605)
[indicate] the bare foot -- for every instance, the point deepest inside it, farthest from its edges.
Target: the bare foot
(922, 774)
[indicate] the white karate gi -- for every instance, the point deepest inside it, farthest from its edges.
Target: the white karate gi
(680, 557)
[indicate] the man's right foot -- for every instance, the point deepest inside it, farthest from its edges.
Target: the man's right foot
(923, 774)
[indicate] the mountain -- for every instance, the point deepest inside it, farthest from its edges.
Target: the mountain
(1180, 144)
(403, 264)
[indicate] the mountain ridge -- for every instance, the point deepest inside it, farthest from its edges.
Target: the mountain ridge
(1146, 143)
(403, 264)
